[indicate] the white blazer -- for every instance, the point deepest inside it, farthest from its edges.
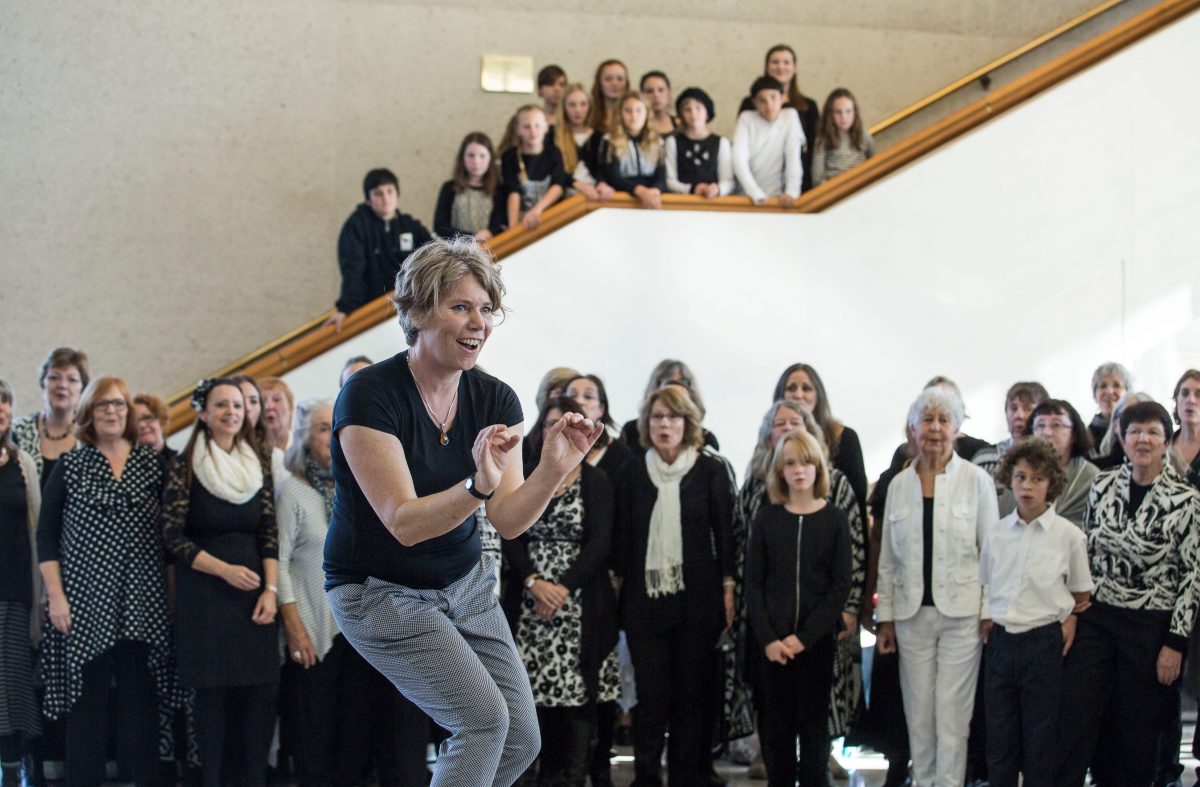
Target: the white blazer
(964, 508)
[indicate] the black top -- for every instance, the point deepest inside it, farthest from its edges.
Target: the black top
(927, 550)
(696, 160)
(706, 502)
(16, 556)
(1098, 427)
(615, 457)
(370, 252)
(646, 171)
(443, 225)
(849, 459)
(589, 153)
(47, 469)
(1137, 493)
(800, 594)
(542, 171)
(808, 122)
(384, 397)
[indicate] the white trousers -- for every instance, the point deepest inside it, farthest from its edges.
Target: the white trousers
(939, 664)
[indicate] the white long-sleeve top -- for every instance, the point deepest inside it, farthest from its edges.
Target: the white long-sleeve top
(766, 154)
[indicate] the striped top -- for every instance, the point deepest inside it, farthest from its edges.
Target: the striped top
(300, 515)
(830, 162)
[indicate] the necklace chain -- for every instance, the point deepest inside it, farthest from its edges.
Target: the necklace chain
(46, 430)
(443, 438)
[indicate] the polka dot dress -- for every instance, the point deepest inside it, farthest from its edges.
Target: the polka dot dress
(112, 571)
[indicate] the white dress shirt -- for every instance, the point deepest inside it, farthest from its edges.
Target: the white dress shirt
(1031, 570)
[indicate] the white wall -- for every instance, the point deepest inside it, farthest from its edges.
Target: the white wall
(173, 174)
(1058, 236)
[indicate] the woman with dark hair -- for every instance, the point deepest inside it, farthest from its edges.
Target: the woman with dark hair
(418, 441)
(1110, 452)
(49, 433)
(252, 395)
(780, 64)
(566, 631)
(102, 563)
(1058, 422)
(674, 554)
(801, 383)
(472, 203)
(1142, 525)
(218, 523)
(20, 630)
(1185, 444)
(610, 455)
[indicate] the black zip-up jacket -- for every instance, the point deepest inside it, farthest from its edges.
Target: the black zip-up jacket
(805, 596)
(370, 252)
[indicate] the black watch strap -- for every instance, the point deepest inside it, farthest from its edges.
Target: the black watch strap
(475, 493)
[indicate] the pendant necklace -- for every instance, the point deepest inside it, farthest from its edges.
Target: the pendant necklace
(443, 438)
(46, 430)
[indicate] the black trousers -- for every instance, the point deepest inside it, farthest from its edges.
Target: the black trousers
(246, 712)
(1023, 681)
(567, 735)
(398, 733)
(606, 722)
(796, 704)
(1110, 682)
(87, 725)
(675, 671)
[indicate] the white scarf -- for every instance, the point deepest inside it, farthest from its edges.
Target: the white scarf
(664, 549)
(235, 476)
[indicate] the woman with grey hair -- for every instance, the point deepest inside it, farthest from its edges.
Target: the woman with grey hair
(937, 513)
(669, 370)
(20, 501)
(418, 440)
(1110, 382)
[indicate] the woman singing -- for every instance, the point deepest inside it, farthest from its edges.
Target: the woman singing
(419, 440)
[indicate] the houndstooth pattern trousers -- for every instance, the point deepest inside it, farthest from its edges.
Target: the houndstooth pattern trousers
(449, 651)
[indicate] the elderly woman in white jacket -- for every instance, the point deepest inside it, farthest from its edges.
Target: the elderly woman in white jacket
(938, 509)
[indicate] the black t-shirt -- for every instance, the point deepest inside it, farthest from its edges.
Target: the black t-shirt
(542, 170)
(1137, 494)
(16, 557)
(384, 397)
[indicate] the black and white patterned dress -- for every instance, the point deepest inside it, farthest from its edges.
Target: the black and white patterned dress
(111, 555)
(551, 648)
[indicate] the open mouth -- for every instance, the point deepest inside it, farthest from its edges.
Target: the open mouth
(470, 344)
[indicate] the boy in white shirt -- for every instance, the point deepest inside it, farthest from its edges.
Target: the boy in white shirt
(766, 146)
(1034, 565)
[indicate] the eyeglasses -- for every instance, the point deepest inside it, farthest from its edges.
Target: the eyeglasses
(147, 418)
(58, 377)
(660, 417)
(1149, 434)
(1056, 426)
(116, 405)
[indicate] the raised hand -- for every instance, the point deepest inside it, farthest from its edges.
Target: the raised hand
(568, 441)
(491, 452)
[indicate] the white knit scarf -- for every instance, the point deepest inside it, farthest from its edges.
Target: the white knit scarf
(235, 476)
(664, 549)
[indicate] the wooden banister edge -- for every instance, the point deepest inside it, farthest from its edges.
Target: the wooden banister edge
(994, 65)
(313, 338)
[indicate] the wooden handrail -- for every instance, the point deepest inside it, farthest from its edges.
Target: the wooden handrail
(314, 338)
(996, 64)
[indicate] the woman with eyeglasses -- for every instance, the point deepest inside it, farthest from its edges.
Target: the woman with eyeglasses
(49, 433)
(1057, 421)
(101, 560)
(673, 553)
(1141, 523)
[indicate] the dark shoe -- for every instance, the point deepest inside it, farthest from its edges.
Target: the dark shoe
(601, 779)
(623, 736)
(35, 775)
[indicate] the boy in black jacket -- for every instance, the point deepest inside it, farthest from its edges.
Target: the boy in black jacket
(373, 244)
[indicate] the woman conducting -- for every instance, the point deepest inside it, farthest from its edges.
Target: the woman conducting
(419, 440)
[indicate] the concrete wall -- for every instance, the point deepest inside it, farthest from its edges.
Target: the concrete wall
(173, 175)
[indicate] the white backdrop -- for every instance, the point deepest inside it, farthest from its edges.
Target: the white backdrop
(1058, 236)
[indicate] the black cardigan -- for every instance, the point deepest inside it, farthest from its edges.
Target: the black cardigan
(598, 602)
(443, 226)
(778, 602)
(706, 501)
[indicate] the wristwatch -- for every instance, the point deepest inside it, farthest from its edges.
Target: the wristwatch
(530, 580)
(475, 493)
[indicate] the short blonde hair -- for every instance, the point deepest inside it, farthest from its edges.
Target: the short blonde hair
(277, 384)
(429, 273)
(811, 452)
(676, 399)
(85, 422)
